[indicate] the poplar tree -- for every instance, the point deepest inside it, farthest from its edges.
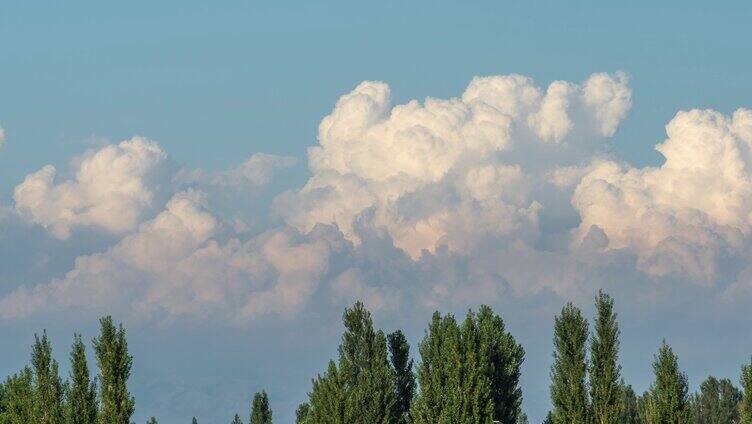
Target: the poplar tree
(604, 356)
(404, 378)
(360, 388)
(18, 398)
(717, 402)
(453, 374)
(48, 388)
(629, 412)
(114, 361)
(260, 412)
(237, 420)
(505, 358)
(745, 409)
(568, 388)
(667, 402)
(82, 396)
(301, 414)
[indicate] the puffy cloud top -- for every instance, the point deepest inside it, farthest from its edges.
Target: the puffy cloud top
(683, 216)
(111, 189)
(445, 171)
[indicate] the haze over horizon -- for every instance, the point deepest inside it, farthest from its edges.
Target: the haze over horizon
(226, 179)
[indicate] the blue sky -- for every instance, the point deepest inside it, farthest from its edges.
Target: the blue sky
(214, 84)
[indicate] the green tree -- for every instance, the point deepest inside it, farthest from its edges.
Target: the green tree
(114, 361)
(404, 378)
(360, 388)
(18, 398)
(301, 414)
(717, 402)
(48, 388)
(745, 409)
(667, 402)
(194, 421)
(604, 356)
(237, 420)
(454, 374)
(82, 396)
(505, 358)
(629, 412)
(260, 411)
(152, 420)
(568, 388)
(549, 418)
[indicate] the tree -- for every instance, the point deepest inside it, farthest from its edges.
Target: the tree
(82, 396)
(260, 411)
(404, 378)
(667, 402)
(629, 413)
(48, 388)
(18, 398)
(717, 402)
(568, 388)
(152, 420)
(194, 421)
(301, 414)
(549, 418)
(237, 420)
(454, 374)
(115, 365)
(505, 358)
(745, 409)
(360, 388)
(605, 370)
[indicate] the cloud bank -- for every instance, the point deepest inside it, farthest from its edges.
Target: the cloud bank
(506, 191)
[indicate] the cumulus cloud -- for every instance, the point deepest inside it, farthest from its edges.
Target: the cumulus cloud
(111, 189)
(174, 265)
(256, 171)
(450, 172)
(683, 217)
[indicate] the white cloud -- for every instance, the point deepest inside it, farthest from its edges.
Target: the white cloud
(2, 136)
(451, 172)
(686, 215)
(111, 189)
(256, 171)
(174, 265)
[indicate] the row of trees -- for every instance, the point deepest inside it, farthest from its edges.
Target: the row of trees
(469, 372)
(37, 394)
(590, 389)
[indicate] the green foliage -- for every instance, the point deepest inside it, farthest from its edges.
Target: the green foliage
(605, 370)
(115, 364)
(194, 421)
(505, 357)
(81, 405)
(360, 388)
(152, 420)
(629, 413)
(568, 389)
(48, 388)
(667, 402)
(260, 411)
(454, 374)
(549, 418)
(237, 420)
(301, 414)
(404, 378)
(717, 402)
(18, 398)
(745, 409)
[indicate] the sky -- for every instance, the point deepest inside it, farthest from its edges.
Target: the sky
(225, 178)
